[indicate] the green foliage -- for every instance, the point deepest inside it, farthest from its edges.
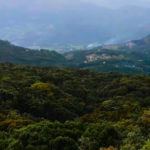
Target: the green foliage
(109, 136)
(63, 143)
(53, 108)
(146, 146)
(127, 147)
(45, 136)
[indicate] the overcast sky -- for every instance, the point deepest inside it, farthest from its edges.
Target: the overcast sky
(112, 3)
(44, 4)
(21, 19)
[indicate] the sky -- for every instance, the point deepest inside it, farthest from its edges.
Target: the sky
(75, 19)
(116, 3)
(53, 4)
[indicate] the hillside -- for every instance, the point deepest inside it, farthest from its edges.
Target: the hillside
(131, 57)
(25, 56)
(64, 109)
(141, 45)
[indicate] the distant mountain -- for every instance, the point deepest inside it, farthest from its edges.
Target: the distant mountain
(131, 57)
(136, 45)
(79, 24)
(143, 43)
(20, 55)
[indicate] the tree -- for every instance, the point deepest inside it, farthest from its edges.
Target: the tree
(146, 146)
(63, 143)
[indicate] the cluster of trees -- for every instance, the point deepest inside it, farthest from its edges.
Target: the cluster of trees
(47, 135)
(67, 109)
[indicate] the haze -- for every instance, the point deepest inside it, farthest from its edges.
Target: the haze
(49, 23)
(42, 4)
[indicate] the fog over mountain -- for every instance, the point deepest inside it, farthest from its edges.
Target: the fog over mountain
(48, 23)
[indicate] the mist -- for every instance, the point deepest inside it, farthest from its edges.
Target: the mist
(48, 23)
(50, 4)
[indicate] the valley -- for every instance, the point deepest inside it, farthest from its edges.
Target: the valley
(74, 75)
(80, 100)
(131, 57)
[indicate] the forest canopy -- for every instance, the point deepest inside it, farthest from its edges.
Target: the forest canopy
(49, 108)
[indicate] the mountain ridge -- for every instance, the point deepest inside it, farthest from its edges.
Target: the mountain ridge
(26, 56)
(130, 57)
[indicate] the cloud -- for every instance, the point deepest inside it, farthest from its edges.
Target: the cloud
(33, 4)
(51, 27)
(61, 4)
(117, 3)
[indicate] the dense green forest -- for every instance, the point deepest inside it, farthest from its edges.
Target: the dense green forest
(48, 108)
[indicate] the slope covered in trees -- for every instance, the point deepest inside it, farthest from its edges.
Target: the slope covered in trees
(20, 55)
(68, 109)
(131, 57)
